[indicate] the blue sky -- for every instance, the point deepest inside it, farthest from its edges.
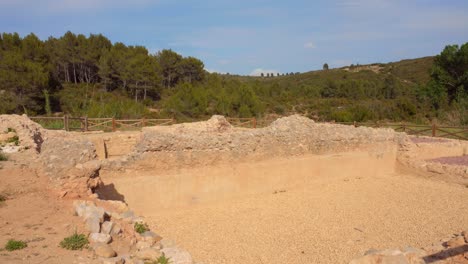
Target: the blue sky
(248, 37)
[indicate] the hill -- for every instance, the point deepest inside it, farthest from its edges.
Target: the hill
(91, 76)
(353, 93)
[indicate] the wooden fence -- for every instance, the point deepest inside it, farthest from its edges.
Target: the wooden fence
(98, 124)
(433, 130)
(112, 124)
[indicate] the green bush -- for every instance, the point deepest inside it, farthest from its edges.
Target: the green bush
(74, 242)
(15, 245)
(140, 228)
(14, 139)
(3, 157)
(161, 260)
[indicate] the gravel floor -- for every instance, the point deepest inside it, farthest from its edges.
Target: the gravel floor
(331, 220)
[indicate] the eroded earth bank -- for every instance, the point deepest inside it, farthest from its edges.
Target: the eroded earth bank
(294, 192)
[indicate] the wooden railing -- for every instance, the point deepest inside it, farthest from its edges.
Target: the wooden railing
(433, 130)
(112, 124)
(98, 124)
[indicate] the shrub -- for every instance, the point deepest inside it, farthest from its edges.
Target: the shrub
(74, 242)
(15, 245)
(14, 139)
(140, 228)
(3, 157)
(3, 198)
(161, 260)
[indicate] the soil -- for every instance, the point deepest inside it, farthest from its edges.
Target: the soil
(34, 213)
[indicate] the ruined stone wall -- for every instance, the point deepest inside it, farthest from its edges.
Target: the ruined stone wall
(217, 142)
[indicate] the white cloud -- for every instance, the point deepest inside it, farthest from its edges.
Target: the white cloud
(310, 45)
(259, 71)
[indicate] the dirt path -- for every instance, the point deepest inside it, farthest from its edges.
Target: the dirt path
(32, 213)
(329, 221)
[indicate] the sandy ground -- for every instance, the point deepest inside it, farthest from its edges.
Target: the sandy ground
(33, 213)
(330, 220)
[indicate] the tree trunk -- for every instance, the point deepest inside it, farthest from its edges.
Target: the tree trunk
(74, 72)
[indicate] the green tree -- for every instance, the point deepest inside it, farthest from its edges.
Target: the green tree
(450, 70)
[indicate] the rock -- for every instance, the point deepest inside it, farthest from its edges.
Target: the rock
(177, 255)
(129, 260)
(80, 206)
(166, 243)
(149, 254)
(119, 206)
(106, 227)
(391, 256)
(116, 229)
(151, 237)
(95, 212)
(434, 248)
(92, 225)
(104, 250)
(127, 216)
(116, 260)
(456, 242)
(100, 238)
(414, 255)
(465, 235)
(143, 244)
(115, 216)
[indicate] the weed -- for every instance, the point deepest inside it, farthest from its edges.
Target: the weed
(14, 139)
(74, 242)
(3, 157)
(11, 130)
(140, 228)
(3, 197)
(15, 245)
(161, 260)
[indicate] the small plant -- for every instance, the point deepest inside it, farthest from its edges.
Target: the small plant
(3, 198)
(11, 130)
(161, 260)
(14, 139)
(74, 242)
(15, 245)
(140, 228)
(3, 157)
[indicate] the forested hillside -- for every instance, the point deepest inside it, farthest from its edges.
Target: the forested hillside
(89, 75)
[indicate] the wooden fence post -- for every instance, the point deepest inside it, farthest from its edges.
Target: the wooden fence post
(355, 124)
(254, 122)
(86, 124)
(65, 122)
(434, 129)
(403, 126)
(114, 128)
(143, 122)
